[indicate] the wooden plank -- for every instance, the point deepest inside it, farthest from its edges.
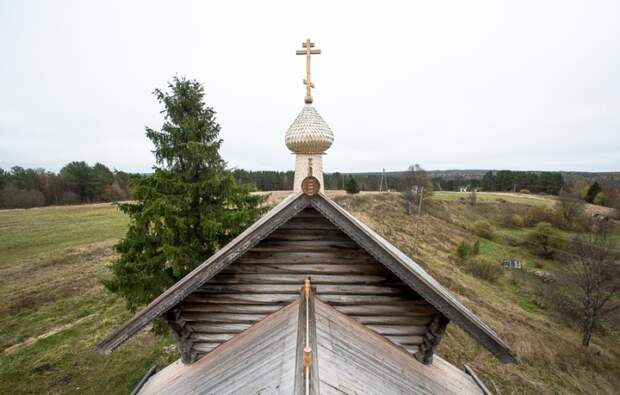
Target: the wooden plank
(317, 279)
(307, 269)
(198, 297)
(353, 289)
(393, 320)
(308, 223)
(217, 328)
(309, 213)
(398, 330)
(190, 317)
(230, 308)
(405, 340)
(418, 310)
(306, 245)
(211, 337)
(203, 347)
(325, 257)
(272, 298)
(308, 235)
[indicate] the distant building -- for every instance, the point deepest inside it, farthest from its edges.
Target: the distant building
(512, 264)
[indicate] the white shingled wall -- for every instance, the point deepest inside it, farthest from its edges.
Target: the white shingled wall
(301, 169)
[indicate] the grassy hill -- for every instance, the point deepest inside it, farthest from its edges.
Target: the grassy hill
(53, 309)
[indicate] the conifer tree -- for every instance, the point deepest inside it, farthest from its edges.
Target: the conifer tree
(188, 208)
(352, 186)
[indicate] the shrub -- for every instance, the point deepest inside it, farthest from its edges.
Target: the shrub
(476, 248)
(484, 268)
(526, 191)
(543, 240)
(483, 229)
(462, 250)
(517, 221)
(599, 199)
(539, 264)
(535, 215)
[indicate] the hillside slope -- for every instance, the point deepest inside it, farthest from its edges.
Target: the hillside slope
(552, 360)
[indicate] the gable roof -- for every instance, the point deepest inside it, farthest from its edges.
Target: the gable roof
(346, 357)
(383, 251)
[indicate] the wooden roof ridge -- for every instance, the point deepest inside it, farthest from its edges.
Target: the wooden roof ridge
(396, 261)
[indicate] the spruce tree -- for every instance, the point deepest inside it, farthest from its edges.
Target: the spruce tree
(188, 208)
(352, 186)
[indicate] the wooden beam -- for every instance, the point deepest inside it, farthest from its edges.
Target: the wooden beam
(432, 338)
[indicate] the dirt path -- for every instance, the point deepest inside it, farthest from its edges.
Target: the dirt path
(51, 332)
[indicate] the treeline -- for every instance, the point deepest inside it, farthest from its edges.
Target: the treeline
(283, 180)
(76, 183)
(549, 182)
(496, 181)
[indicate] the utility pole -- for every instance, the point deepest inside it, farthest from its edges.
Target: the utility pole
(383, 180)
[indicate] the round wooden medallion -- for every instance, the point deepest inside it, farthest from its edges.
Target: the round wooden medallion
(310, 185)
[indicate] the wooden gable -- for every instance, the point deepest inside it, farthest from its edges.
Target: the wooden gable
(269, 276)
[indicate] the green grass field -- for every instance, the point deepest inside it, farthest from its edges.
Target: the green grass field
(28, 233)
(53, 309)
(533, 200)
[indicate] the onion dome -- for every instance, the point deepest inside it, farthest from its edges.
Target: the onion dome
(309, 134)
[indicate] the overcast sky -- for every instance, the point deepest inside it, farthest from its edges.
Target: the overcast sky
(447, 84)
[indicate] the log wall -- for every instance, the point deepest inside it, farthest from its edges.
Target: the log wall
(271, 274)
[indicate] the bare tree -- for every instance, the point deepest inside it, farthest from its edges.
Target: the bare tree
(417, 187)
(570, 208)
(594, 270)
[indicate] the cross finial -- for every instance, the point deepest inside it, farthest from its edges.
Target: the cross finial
(308, 51)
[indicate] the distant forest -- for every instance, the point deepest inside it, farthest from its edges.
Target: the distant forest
(503, 180)
(78, 182)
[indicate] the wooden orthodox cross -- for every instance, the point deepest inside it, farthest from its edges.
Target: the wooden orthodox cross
(308, 51)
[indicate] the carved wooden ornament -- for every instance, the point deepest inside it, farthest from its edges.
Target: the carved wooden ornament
(310, 185)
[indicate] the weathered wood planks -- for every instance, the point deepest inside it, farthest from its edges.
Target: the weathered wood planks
(270, 276)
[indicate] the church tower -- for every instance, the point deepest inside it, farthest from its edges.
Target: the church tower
(309, 136)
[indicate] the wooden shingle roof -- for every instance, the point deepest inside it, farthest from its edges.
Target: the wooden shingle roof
(345, 357)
